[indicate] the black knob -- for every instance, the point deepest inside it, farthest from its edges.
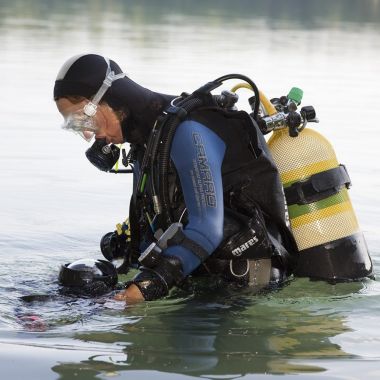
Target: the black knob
(308, 112)
(293, 119)
(284, 100)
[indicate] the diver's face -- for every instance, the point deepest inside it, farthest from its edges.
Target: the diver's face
(108, 122)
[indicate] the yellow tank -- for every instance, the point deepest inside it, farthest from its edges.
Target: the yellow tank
(330, 243)
(327, 233)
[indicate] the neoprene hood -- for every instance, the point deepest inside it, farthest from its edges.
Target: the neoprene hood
(82, 75)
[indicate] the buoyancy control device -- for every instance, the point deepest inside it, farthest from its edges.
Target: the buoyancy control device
(146, 177)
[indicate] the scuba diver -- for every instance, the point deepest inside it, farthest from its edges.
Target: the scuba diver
(207, 195)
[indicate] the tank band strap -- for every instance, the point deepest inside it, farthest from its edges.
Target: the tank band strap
(181, 239)
(318, 186)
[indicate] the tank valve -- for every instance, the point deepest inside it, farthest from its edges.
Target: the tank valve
(293, 120)
(269, 123)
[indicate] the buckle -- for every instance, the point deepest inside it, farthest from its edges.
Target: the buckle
(180, 112)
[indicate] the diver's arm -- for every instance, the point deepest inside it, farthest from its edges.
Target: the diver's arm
(197, 154)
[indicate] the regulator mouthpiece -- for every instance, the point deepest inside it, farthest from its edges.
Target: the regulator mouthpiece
(102, 155)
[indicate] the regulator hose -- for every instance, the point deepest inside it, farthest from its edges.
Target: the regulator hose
(249, 81)
(188, 105)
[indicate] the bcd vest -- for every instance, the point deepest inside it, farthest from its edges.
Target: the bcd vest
(251, 187)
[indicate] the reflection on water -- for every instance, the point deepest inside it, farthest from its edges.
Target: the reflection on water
(227, 334)
(290, 331)
(234, 337)
(55, 206)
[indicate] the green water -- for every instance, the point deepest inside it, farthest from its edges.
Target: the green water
(55, 206)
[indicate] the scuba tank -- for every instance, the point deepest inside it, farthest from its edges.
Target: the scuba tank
(331, 245)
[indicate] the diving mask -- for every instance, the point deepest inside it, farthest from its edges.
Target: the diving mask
(83, 122)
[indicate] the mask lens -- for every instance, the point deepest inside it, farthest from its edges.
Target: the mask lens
(82, 124)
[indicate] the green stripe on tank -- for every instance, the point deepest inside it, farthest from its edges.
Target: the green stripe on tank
(299, 210)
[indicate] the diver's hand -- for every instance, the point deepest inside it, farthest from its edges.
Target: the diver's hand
(132, 293)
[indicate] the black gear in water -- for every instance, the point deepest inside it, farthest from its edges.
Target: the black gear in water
(93, 289)
(88, 277)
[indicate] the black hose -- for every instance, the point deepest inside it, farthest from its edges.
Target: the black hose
(164, 160)
(249, 81)
(155, 146)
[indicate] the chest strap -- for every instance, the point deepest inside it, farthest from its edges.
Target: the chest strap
(318, 186)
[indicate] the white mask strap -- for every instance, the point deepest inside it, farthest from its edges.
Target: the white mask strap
(90, 108)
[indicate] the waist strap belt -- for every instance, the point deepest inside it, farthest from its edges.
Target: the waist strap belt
(318, 186)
